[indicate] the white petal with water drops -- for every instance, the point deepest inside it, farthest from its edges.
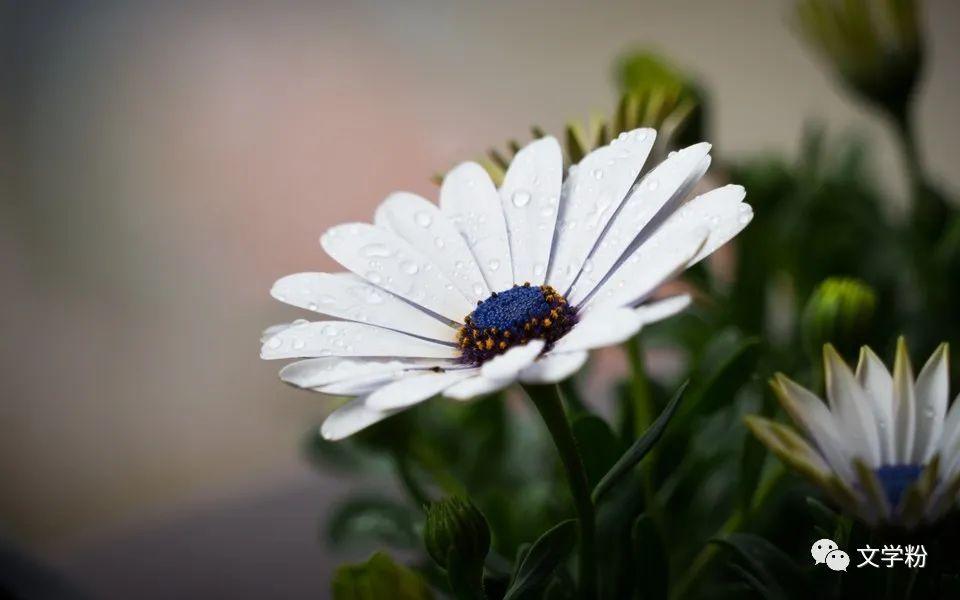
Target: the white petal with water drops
(592, 193)
(320, 372)
(414, 389)
(662, 309)
(471, 202)
(649, 204)
(347, 296)
(932, 393)
(343, 338)
(530, 196)
(424, 227)
(387, 261)
(877, 382)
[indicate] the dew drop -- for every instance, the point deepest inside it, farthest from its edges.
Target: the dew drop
(653, 184)
(588, 266)
(477, 289)
(438, 242)
(598, 174)
(409, 267)
(330, 330)
(373, 277)
(275, 343)
(376, 250)
(312, 306)
(494, 265)
(424, 219)
(521, 198)
(538, 269)
(298, 344)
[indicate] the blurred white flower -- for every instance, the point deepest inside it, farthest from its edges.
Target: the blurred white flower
(500, 285)
(884, 447)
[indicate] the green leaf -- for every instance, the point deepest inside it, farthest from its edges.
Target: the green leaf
(378, 578)
(769, 571)
(542, 559)
(650, 558)
(640, 448)
(728, 364)
(599, 446)
(373, 519)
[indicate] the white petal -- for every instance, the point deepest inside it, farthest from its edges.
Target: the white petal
(812, 415)
(592, 194)
(904, 403)
(346, 296)
(554, 367)
(600, 328)
(471, 202)
(932, 389)
(510, 363)
(351, 418)
(530, 196)
(475, 386)
(651, 201)
(875, 379)
(320, 372)
(387, 261)
(415, 389)
(658, 260)
(850, 408)
(424, 227)
(342, 338)
(662, 309)
(950, 442)
(722, 211)
(273, 330)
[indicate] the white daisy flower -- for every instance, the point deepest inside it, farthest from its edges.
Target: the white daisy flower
(501, 285)
(883, 446)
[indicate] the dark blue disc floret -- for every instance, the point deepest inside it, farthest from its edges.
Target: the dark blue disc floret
(895, 480)
(512, 318)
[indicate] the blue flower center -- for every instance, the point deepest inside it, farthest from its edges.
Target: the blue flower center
(895, 480)
(512, 318)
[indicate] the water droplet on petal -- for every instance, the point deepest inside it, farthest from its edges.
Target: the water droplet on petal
(298, 344)
(373, 277)
(376, 250)
(477, 289)
(521, 198)
(494, 265)
(275, 342)
(409, 267)
(424, 219)
(312, 306)
(598, 174)
(438, 242)
(653, 184)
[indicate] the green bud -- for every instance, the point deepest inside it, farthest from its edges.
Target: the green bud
(875, 46)
(455, 524)
(840, 311)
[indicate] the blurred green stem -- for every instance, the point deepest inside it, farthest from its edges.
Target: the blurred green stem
(409, 481)
(701, 563)
(547, 400)
(644, 412)
(928, 211)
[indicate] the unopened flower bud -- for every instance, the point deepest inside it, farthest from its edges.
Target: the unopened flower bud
(840, 311)
(455, 524)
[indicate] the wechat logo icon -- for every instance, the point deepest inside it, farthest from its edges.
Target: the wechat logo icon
(827, 552)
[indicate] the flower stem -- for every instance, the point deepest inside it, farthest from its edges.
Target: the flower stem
(547, 400)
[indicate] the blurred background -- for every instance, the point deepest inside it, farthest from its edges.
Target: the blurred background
(161, 164)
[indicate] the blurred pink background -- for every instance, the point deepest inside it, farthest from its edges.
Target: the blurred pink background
(164, 163)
